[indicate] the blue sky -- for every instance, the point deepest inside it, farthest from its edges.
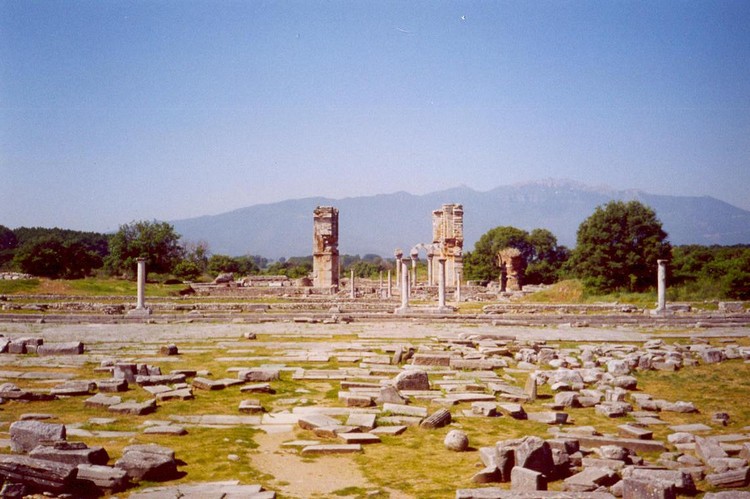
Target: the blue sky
(114, 111)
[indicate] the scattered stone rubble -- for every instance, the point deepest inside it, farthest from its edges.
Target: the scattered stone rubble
(383, 391)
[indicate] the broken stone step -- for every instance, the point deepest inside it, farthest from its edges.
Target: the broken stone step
(331, 449)
(632, 431)
(359, 438)
(405, 410)
(388, 430)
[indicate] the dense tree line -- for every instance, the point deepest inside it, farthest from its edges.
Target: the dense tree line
(718, 270)
(616, 250)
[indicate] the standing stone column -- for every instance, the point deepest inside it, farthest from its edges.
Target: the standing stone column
(141, 283)
(458, 287)
(352, 292)
(414, 258)
(388, 291)
(140, 306)
(398, 254)
(441, 282)
(662, 285)
(430, 277)
(404, 284)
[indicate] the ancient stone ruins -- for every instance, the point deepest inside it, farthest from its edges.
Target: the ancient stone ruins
(409, 386)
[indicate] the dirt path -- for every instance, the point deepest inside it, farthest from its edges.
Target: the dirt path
(307, 478)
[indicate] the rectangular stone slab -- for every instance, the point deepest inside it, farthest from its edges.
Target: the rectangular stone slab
(359, 438)
(331, 449)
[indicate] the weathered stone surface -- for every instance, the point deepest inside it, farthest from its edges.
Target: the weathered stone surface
(125, 371)
(527, 479)
(634, 488)
(708, 448)
(74, 388)
(729, 479)
(331, 449)
(112, 385)
(547, 417)
(632, 431)
(633, 444)
(498, 493)
(312, 421)
(359, 438)
(456, 440)
(437, 419)
(26, 435)
(159, 379)
(148, 462)
(590, 479)
(682, 481)
(134, 408)
(38, 474)
(103, 477)
(405, 410)
(170, 349)
(251, 406)
(535, 454)
(259, 374)
(71, 453)
(68, 348)
(426, 359)
(389, 394)
(412, 380)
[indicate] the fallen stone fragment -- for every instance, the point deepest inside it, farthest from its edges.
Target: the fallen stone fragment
(101, 400)
(412, 380)
(437, 419)
(251, 406)
(168, 429)
(107, 478)
(258, 388)
(526, 479)
(26, 435)
(38, 474)
(363, 421)
(312, 421)
(498, 493)
(729, 479)
(259, 374)
(405, 410)
(74, 388)
(134, 408)
(547, 417)
(632, 431)
(331, 449)
(68, 348)
(112, 385)
(148, 462)
(535, 454)
(634, 488)
(359, 438)
(456, 440)
(73, 453)
(170, 349)
(590, 479)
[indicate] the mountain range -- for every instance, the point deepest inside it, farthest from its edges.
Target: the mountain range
(379, 224)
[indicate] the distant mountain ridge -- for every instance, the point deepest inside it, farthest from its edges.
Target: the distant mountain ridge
(378, 224)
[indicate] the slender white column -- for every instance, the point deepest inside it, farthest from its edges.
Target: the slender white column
(404, 285)
(140, 303)
(458, 287)
(388, 293)
(430, 277)
(662, 285)
(441, 282)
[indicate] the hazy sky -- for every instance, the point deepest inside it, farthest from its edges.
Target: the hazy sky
(114, 111)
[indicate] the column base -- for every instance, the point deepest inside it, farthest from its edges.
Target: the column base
(139, 312)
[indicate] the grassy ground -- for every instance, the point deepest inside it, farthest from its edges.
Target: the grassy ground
(415, 463)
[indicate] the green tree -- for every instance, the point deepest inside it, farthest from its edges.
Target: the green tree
(55, 258)
(547, 258)
(8, 244)
(617, 247)
(155, 241)
(481, 264)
